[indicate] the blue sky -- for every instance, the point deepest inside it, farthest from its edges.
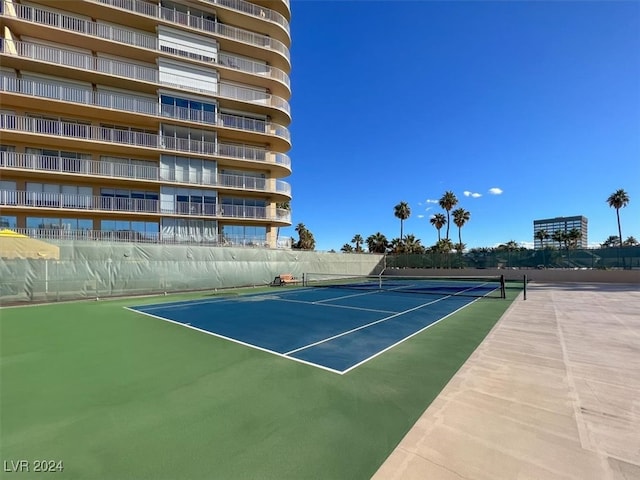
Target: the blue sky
(531, 108)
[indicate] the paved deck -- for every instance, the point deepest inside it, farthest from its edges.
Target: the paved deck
(553, 392)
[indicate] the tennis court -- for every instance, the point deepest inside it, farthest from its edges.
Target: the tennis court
(115, 393)
(338, 326)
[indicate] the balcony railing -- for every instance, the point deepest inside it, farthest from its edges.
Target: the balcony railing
(64, 201)
(200, 23)
(254, 10)
(137, 72)
(42, 126)
(132, 236)
(76, 166)
(141, 40)
(137, 104)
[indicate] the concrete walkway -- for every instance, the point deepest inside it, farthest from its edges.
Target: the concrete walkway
(553, 392)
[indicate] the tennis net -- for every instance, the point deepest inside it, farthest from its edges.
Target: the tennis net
(488, 286)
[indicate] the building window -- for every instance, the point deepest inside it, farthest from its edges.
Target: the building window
(189, 230)
(141, 230)
(127, 200)
(186, 109)
(69, 224)
(8, 222)
(243, 207)
(244, 235)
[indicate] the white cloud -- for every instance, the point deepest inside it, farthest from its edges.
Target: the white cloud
(467, 193)
(495, 191)
(431, 201)
(420, 216)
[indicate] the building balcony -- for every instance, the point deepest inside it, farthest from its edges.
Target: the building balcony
(59, 133)
(256, 130)
(140, 173)
(204, 25)
(87, 66)
(281, 6)
(146, 15)
(42, 201)
(132, 236)
(34, 17)
(256, 11)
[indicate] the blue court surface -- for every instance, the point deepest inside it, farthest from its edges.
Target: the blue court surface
(333, 329)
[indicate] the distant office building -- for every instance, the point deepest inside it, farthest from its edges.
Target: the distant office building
(562, 224)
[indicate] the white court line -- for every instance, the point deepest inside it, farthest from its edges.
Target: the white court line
(332, 306)
(365, 326)
(384, 320)
(406, 338)
(250, 345)
(206, 301)
(348, 296)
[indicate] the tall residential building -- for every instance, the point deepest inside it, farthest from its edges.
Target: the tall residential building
(152, 120)
(560, 224)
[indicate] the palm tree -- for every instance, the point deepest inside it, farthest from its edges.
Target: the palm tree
(402, 211)
(397, 246)
(541, 235)
(413, 245)
(357, 239)
(438, 220)
(510, 246)
(558, 236)
(611, 241)
(573, 237)
(460, 217)
(346, 248)
(444, 247)
(447, 202)
(618, 199)
(306, 241)
(630, 242)
(284, 206)
(377, 243)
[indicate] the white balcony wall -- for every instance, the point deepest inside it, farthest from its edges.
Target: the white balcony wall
(118, 33)
(8, 72)
(58, 46)
(55, 52)
(119, 99)
(56, 88)
(44, 14)
(122, 67)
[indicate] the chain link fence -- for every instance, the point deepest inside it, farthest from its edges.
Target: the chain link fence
(599, 258)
